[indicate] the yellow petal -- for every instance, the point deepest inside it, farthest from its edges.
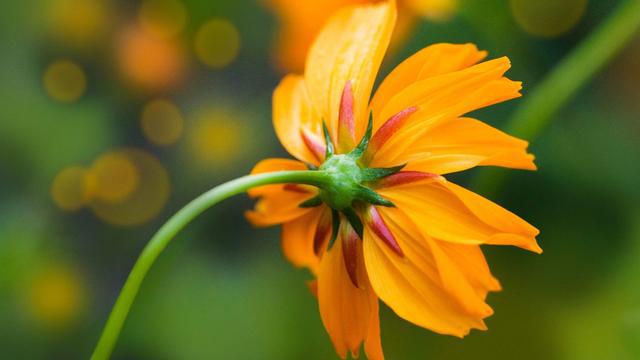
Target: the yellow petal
(447, 212)
(431, 61)
(412, 285)
(298, 236)
(293, 114)
(278, 208)
(460, 144)
(349, 314)
(350, 47)
(444, 97)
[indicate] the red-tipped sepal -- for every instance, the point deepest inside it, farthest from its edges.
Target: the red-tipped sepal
(314, 144)
(350, 250)
(325, 225)
(386, 131)
(380, 228)
(406, 177)
(346, 121)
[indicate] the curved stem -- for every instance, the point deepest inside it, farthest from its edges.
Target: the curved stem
(176, 223)
(563, 82)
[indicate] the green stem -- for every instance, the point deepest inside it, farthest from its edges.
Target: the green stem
(176, 223)
(564, 81)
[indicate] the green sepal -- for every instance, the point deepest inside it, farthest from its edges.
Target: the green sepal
(327, 139)
(372, 197)
(354, 220)
(335, 227)
(373, 174)
(313, 202)
(357, 152)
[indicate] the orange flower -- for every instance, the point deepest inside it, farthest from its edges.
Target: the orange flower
(300, 22)
(391, 226)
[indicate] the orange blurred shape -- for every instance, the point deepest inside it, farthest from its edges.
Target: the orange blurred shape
(64, 81)
(161, 122)
(149, 62)
(131, 187)
(70, 189)
(56, 296)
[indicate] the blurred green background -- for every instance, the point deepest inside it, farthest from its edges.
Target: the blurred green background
(113, 114)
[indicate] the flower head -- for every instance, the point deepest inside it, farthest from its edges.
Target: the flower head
(390, 226)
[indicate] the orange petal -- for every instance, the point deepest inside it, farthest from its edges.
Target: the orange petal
(412, 285)
(460, 144)
(463, 287)
(433, 60)
(349, 314)
(445, 97)
(298, 239)
(278, 208)
(294, 115)
(450, 213)
(271, 165)
(350, 47)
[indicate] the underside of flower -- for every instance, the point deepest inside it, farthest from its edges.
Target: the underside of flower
(350, 188)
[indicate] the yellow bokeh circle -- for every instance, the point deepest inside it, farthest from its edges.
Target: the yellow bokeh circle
(216, 138)
(164, 18)
(64, 81)
(548, 18)
(161, 122)
(433, 9)
(147, 198)
(217, 43)
(56, 296)
(78, 23)
(114, 177)
(70, 189)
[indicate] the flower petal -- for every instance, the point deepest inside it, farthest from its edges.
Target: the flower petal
(298, 239)
(349, 314)
(447, 212)
(350, 47)
(293, 116)
(278, 203)
(445, 97)
(431, 61)
(412, 285)
(460, 144)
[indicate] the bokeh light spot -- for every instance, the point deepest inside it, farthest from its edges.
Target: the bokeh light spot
(64, 81)
(149, 62)
(547, 18)
(56, 296)
(161, 122)
(433, 9)
(216, 138)
(70, 189)
(148, 198)
(114, 177)
(217, 43)
(163, 18)
(78, 22)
